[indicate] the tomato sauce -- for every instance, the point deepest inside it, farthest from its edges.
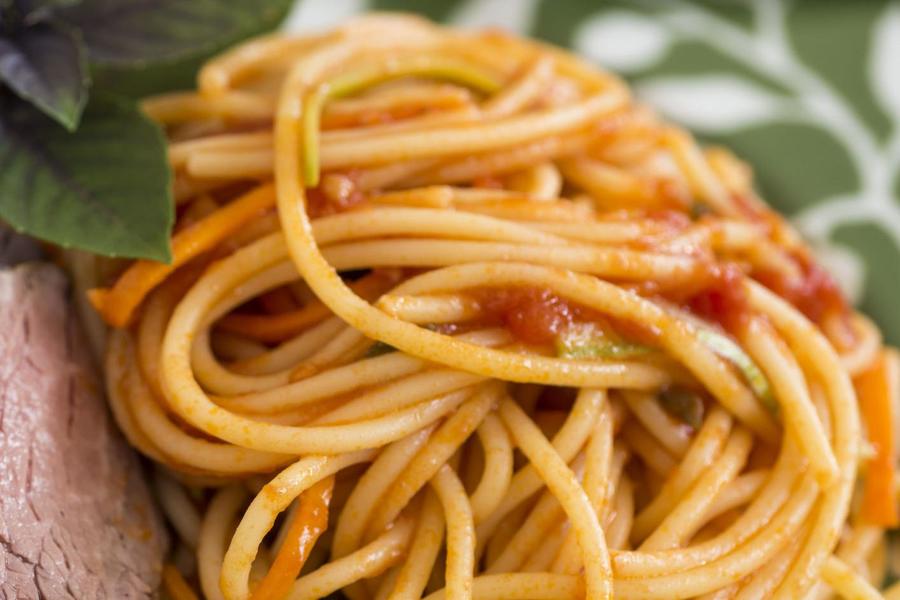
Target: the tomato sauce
(815, 293)
(722, 299)
(488, 182)
(533, 315)
(320, 204)
(537, 316)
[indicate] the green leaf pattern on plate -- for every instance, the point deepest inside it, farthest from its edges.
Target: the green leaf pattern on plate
(807, 91)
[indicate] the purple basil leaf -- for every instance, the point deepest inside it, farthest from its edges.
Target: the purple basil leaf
(36, 11)
(45, 65)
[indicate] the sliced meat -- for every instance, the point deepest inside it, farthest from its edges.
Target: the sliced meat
(76, 517)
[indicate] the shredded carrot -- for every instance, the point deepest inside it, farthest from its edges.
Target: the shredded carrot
(284, 325)
(277, 301)
(199, 208)
(310, 521)
(175, 585)
(277, 327)
(117, 304)
(875, 392)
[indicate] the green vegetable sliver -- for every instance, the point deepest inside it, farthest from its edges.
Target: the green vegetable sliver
(683, 404)
(434, 67)
(587, 341)
(730, 351)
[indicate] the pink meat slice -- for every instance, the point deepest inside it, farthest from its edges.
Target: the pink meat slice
(76, 517)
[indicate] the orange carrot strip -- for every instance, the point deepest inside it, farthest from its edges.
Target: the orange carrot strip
(283, 326)
(274, 328)
(309, 523)
(876, 402)
(117, 304)
(176, 586)
(278, 301)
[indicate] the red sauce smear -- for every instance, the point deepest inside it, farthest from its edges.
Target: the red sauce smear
(488, 182)
(537, 315)
(815, 293)
(320, 204)
(533, 315)
(722, 299)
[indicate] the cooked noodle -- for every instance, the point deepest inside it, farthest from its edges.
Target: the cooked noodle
(539, 343)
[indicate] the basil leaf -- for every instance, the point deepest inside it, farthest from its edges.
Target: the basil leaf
(136, 33)
(35, 11)
(10, 19)
(146, 81)
(105, 188)
(45, 65)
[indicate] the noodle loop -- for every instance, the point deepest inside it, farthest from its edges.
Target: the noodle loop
(466, 322)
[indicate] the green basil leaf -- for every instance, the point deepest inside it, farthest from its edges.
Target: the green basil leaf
(137, 33)
(45, 65)
(105, 188)
(155, 79)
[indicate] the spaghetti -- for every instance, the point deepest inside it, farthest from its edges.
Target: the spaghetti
(451, 316)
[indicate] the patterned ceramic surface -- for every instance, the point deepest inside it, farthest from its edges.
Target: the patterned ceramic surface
(807, 91)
